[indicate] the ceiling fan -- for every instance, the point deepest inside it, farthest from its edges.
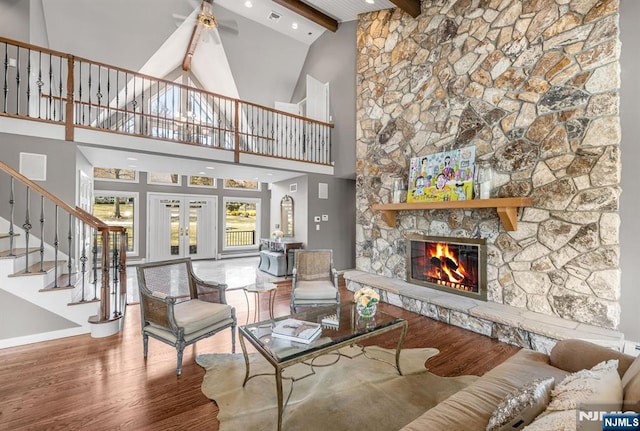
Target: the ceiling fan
(204, 22)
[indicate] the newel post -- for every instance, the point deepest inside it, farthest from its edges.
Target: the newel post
(105, 295)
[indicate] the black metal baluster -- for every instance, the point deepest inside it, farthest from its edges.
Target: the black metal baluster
(126, 103)
(142, 106)
(18, 80)
(117, 97)
(40, 83)
(116, 266)
(11, 217)
(89, 93)
(41, 233)
(99, 96)
(56, 247)
(27, 231)
(5, 88)
(83, 260)
(94, 252)
(80, 101)
(70, 244)
(108, 99)
(61, 109)
(52, 106)
(29, 82)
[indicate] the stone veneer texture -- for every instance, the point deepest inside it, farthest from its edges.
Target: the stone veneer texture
(534, 85)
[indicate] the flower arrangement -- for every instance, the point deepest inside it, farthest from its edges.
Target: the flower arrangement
(277, 234)
(366, 297)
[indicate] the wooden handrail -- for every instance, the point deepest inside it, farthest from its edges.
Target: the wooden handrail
(288, 114)
(91, 221)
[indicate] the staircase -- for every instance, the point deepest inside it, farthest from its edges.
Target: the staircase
(54, 279)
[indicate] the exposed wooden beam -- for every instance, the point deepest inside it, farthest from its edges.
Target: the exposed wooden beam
(193, 44)
(310, 13)
(412, 7)
(195, 36)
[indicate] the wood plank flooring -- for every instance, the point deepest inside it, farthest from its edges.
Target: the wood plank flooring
(81, 383)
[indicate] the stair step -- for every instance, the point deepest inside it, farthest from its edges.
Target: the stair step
(34, 269)
(63, 283)
(6, 235)
(17, 252)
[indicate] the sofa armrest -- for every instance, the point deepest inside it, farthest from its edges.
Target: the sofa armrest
(576, 355)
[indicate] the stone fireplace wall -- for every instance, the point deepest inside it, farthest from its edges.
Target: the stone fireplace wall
(533, 85)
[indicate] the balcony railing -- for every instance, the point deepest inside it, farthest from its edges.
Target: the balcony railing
(45, 85)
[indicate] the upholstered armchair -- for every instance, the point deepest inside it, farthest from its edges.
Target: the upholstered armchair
(178, 308)
(315, 280)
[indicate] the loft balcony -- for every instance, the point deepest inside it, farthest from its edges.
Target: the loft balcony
(106, 107)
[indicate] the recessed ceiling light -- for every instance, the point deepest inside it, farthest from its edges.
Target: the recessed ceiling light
(370, 1)
(269, 175)
(201, 173)
(209, 167)
(248, 4)
(132, 166)
(294, 25)
(133, 159)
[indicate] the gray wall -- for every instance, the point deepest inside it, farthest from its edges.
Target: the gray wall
(629, 202)
(338, 233)
(14, 19)
(332, 59)
(142, 188)
(61, 179)
(300, 206)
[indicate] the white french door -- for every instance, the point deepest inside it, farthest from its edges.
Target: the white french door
(181, 226)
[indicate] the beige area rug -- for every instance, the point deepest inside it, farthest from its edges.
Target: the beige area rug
(355, 393)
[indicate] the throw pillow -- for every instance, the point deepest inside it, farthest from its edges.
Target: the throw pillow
(565, 420)
(601, 384)
(520, 407)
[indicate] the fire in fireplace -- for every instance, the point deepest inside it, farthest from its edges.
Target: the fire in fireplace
(455, 265)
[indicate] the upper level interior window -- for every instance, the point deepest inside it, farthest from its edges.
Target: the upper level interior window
(115, 174)
(241, 184)
(162, 178)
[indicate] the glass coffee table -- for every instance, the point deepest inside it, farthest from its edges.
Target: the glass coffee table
(350, 330)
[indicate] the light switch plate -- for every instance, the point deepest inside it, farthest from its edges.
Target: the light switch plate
(316, 219)
(325, 217)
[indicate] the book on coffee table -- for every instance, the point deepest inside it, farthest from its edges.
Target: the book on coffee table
(296, 330)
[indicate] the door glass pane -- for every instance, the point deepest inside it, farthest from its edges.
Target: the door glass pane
(175, 229)
(194, 213)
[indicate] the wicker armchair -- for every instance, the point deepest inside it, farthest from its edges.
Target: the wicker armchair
(178, 308)
(315, 280)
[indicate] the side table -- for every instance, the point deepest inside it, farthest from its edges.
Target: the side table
(257, 289)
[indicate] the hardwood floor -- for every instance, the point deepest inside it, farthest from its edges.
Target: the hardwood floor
(81, 383)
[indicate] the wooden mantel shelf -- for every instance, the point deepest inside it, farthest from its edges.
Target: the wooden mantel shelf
(507, 208)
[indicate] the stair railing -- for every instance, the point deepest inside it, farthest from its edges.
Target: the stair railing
(82, 93)
(81, 226)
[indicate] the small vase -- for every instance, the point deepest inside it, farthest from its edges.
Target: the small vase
(366, 311)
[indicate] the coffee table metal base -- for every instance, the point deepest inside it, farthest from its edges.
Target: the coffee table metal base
(280, 366)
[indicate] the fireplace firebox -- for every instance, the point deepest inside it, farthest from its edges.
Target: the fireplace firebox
(454, 265)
